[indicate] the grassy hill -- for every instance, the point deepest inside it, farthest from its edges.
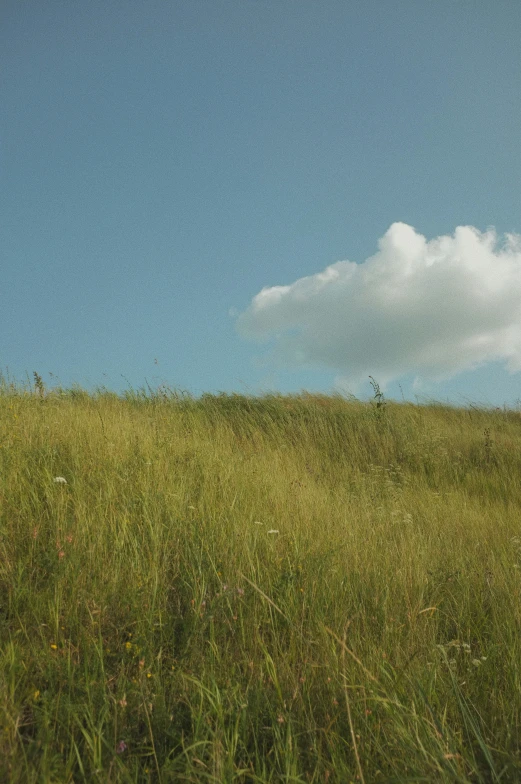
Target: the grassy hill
(275, 589)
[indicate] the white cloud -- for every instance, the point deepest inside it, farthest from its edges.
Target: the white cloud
(432, 308)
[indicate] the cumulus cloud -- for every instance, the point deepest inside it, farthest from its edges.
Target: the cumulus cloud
(433, 308)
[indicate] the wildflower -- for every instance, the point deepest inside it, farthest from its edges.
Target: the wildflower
(280, 719)
(121, 747)
(54, 646)
(149, 674)
(60, 480)
(273, 531)
(36, 695)
(128, 645)
(257, 523)
(61, 554)
(123, 701)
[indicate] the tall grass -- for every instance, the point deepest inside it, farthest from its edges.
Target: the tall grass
(240, 589)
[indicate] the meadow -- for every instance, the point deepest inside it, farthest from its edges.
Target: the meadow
(257, 589)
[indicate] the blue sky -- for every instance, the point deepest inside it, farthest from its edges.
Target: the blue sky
(162, 163)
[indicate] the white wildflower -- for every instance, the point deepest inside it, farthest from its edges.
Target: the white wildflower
(60, 480)
(273, 531)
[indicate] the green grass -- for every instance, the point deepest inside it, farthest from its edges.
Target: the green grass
(240, 589)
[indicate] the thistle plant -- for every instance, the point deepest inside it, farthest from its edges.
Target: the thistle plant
(38, 383)
(379, 402)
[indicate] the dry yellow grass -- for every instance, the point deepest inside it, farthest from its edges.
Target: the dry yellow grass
(274, 589)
